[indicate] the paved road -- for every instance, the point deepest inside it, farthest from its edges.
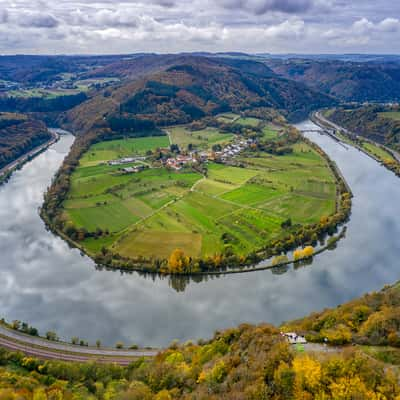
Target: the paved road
(31, 153)
(42, 348)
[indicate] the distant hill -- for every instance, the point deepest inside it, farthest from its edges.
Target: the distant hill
(178, 89)
(348, 81)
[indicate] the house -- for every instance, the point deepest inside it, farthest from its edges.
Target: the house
(294, 338)
(134, 170)
(126, 160)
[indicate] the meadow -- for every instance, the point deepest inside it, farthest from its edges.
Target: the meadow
(391, 114)
(377, 151)
(203, 139)
(114, 149)
(232, 208)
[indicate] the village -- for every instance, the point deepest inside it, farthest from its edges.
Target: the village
(193, 157)
(183, 159)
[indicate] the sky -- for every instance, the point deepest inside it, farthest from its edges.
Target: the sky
(170, 26)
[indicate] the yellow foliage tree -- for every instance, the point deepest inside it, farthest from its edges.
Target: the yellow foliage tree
(308, 251)
(177, 261)
(308, 374)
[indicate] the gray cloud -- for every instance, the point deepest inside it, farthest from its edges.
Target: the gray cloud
(37, 20)
(110, 26)
(260, 7)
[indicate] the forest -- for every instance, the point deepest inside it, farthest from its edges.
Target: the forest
(18, 135)
(248, 362)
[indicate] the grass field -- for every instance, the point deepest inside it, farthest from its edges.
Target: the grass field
(227, 117)
(154, 212)
(248, 121)
(114, 149)
(391, 114)
(377, 151)
(202, 139)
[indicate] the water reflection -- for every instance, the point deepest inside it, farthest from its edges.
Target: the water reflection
(51, 286)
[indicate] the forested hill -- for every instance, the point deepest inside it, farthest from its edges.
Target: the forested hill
(193, 87)
(244, 363)
(18, 135)
(348, 81)
(379, 123)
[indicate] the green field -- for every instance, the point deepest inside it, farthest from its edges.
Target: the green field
(377, 151)
(248, 121)
(43, 93)
(227, 117)
(202, 139)
(153, 212)
(390, 114)
(271, 133)
(114, 149)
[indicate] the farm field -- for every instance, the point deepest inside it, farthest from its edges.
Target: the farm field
(227, 117)
(391, 114)
(114, 149)
(203, 139)
(248, 121)
(233, 208)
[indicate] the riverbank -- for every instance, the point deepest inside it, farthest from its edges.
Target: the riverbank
(6, 172)
(344, 135)
(44, 279)
(292, 237)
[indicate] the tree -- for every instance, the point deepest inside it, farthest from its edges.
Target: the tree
(98, 343)
(50, 335)
(74, 340)
(177, 261)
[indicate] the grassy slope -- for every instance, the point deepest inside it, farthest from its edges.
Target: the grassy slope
(204, 138)
(163, 210)
(114, 149)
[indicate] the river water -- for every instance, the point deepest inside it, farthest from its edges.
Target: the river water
(53, 287)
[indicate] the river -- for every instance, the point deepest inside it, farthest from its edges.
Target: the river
(54, 287)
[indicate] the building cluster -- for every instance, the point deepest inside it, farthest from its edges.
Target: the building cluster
(194, 157)
(134, 170)
(181, 161)
(294, 338)
(232, 150)
(126, 160)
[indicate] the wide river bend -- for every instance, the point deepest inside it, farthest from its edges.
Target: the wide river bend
(54, 287)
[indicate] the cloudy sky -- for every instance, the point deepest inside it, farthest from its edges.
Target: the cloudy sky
(123, 26)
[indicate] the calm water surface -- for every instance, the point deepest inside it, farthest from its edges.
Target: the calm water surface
(51, 286)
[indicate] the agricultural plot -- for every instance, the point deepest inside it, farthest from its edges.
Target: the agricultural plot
(203, 139)
(227, 117)
(270, 133)
(114, 149)
(156, 211)
(391, 114)
(248, 121)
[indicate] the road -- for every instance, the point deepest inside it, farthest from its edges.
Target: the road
(321, 118)
(30, 154)
(45, 349)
